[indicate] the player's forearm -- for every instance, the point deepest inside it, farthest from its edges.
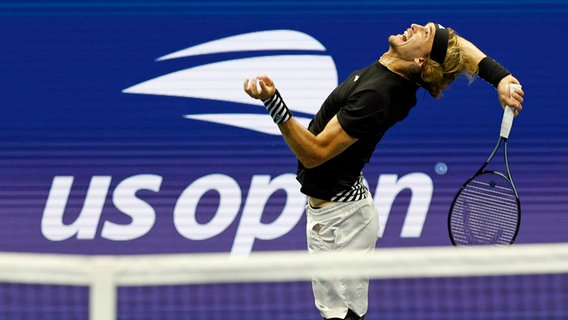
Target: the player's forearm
(481, 64)
(472, 53)
(302, 142)
(494, 73)
(311, 150)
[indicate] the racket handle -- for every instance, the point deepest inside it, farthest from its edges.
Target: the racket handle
(508, 114)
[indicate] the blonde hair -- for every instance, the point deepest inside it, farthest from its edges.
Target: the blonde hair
(435, 77)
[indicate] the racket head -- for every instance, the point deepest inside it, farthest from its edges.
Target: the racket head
(486, 211)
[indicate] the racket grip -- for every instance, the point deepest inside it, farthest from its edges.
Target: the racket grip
(508, 114)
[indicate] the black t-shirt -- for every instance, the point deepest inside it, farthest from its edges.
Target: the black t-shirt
(367, 103)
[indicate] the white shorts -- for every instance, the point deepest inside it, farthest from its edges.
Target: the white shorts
(342, 226)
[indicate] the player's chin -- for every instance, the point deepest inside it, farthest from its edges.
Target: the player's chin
(394, 40)
(396, 43)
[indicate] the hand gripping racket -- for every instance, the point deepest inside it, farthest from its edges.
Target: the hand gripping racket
(487, 210)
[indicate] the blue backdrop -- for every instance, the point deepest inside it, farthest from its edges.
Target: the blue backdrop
(89, 166)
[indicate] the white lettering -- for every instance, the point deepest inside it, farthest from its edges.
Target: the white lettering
(142, 214)
(85, 226)
(389, 186)
(229, 204)
(251, 227)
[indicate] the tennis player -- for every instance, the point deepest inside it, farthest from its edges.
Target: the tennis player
(344, 133)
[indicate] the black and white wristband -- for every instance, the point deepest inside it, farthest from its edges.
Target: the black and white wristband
(491, 71)
(277, 108)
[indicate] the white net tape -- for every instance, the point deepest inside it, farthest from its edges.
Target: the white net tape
(103, 275)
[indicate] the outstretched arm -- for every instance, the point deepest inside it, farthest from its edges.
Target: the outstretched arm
(501, 83)
(311, 150)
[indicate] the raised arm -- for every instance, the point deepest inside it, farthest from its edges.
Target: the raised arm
(311, 150)
(491, 71)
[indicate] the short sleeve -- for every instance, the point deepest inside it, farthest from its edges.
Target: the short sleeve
(364, 114)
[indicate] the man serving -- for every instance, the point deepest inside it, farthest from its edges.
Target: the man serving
(341, 138)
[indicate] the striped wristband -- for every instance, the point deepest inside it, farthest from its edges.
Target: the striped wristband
(277, 108)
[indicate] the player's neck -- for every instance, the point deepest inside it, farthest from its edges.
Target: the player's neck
(393, 64)
(396, 65)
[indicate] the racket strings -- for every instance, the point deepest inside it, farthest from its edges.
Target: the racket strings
(499, 198)
(485, 212)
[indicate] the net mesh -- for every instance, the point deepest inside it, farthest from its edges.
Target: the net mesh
(264, 300)
(519, 282)
(35, 301)
(498, 297)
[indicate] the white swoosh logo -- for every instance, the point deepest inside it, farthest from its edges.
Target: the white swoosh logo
(304, 80)
(255, 41)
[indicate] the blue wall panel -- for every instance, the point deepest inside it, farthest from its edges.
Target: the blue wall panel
(89, 168)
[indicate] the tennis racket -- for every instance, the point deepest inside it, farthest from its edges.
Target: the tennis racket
(487, 209)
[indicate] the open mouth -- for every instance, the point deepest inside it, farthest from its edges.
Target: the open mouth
(405, 36)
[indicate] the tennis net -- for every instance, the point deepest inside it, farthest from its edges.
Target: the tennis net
(516, 282)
